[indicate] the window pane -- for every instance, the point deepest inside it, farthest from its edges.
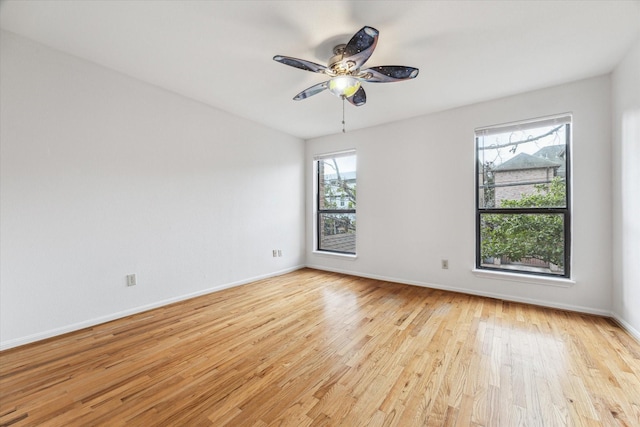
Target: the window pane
(337, 232)
(337, 183)
(523, 242)
(523, 168)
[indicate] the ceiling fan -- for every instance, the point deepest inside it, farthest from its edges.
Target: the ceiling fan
(345, 71)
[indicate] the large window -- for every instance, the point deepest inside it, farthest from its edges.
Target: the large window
(522, 198)
(336, 202)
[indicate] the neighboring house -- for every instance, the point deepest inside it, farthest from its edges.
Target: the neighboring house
(335, 195)
(519, 175)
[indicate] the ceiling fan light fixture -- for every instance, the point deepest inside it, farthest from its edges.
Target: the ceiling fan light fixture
(345, 70)
(344, 86)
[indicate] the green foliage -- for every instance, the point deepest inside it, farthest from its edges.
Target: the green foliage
(338, 224)
(519, 236)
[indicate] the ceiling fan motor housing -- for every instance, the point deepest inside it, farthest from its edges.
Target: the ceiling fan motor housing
(335, 63)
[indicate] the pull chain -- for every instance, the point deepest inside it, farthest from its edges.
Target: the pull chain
(343, 130)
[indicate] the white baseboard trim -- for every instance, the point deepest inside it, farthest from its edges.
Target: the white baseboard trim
(5, 345)
(542, 303)
(626, 326)
(569, 307)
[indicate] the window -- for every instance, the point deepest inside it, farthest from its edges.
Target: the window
(522, 198)
(336, 202)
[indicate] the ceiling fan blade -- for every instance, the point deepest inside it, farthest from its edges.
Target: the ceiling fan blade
(360, 48)
(315, 89)
(359, 98)
(388, 73)
(300, 63)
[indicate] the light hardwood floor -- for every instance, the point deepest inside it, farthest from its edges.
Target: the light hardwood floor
(312, 348)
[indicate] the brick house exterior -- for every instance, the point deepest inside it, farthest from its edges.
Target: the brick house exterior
(519, 175)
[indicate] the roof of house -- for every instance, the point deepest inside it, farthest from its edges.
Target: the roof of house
(552, 152)
(526, 161)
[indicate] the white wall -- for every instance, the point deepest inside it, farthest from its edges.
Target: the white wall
(626, 190)
(103, 176)
(416, 197)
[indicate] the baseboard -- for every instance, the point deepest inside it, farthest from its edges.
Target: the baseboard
(5, 345)
(542, 303)
(626, 326)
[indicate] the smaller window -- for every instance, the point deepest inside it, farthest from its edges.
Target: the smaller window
(336, 202)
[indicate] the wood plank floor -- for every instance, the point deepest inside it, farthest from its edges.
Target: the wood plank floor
(312, 348)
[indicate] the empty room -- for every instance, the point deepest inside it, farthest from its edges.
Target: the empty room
(319, 213)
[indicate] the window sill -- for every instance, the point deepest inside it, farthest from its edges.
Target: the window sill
(335, 255)
(524, 278)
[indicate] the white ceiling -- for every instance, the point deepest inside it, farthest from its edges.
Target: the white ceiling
(220, 52)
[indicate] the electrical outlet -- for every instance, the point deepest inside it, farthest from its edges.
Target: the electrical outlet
(445, 264)
(275, 253)
(131, 279)
(279, 252)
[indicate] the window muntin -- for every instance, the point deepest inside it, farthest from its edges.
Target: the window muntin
(336, 203)
(522, 197)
